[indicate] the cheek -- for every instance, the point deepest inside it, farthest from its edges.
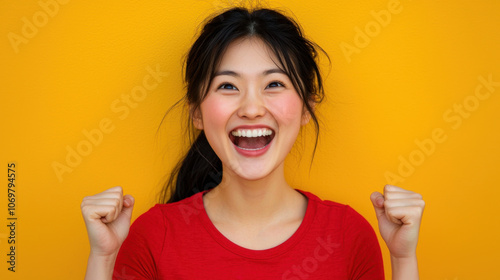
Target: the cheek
(288, 108)
(214, 113)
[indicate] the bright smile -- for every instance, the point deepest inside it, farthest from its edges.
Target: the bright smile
(251, 141)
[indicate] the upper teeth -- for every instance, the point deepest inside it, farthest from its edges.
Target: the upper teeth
(251, 132)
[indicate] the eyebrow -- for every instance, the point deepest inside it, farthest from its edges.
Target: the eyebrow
(235, 74)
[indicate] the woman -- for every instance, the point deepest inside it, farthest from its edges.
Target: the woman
(252, 83)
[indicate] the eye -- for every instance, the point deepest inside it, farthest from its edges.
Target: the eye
(226, 86)
(275, 84)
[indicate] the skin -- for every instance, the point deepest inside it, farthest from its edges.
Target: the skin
(253, 206)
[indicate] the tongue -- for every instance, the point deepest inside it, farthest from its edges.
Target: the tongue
(251, 142)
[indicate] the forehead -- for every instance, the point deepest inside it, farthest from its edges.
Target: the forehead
(247, 55)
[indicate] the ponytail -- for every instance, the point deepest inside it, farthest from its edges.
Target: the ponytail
(199, 170)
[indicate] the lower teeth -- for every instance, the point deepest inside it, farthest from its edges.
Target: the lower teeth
(256, 149)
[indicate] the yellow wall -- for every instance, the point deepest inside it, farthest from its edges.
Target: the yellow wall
(68, 67)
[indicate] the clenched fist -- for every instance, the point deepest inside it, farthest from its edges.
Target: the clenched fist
(399, 213)
(107, 217)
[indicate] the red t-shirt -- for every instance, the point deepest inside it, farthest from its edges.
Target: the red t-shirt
(178, 241)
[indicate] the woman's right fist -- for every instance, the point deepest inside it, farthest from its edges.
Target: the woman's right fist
(107, 218)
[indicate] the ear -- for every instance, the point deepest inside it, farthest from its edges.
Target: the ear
(197, 119)
(306, 115)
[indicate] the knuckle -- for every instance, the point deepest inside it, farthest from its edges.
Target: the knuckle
(391, 187)
(422, 204)
(85, 210)
(416, 211)
(117, 190)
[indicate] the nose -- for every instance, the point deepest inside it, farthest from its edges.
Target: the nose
(252, 104)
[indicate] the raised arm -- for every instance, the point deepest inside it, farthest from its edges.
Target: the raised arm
(107, 218)
(399, 213)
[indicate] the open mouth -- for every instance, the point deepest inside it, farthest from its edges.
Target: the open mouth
(251, 139)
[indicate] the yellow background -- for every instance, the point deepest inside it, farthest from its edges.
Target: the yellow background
(396, 88)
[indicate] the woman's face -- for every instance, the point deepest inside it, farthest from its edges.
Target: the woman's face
(251, 114)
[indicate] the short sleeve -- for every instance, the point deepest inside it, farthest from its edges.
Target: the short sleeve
(364, 254)
(142, 248)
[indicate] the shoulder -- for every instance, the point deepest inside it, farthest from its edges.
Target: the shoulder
(339, 209)
(146, 239)
(339, 215)
(148, 228)
(160, 215)
(359, 242)
(151, 216)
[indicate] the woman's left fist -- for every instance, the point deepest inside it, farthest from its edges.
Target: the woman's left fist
(399, 214)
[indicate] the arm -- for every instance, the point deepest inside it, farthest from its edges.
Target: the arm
(404, 268)
(100, 267)
(399, 214)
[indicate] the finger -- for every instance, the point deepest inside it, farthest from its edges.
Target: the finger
(392, 188)
(113, 189)
(103, 201)
(108, 213)
(403, 203)
(405, 215)
(125, 217)
(378, 203)
(104, 213)
(111, 196)
(113, 192)
(94, 204)
(401, 195)
(128, 203)
(117, 190)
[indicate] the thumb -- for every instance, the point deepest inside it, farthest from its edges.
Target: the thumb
(378, 203)
(122, 225)
(128, 206)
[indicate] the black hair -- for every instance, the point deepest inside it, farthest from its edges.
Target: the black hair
(201, 169)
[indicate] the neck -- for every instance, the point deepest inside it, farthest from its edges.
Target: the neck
(251, 201)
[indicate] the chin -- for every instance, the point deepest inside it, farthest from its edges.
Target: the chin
(253, 173)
